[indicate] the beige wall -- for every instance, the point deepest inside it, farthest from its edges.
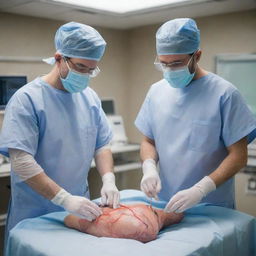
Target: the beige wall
(127, 66)
(34, 37)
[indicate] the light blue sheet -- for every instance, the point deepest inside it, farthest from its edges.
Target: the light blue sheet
(206, 230)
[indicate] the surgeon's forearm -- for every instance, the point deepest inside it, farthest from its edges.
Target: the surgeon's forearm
(44, 185)
(104, 161)
(233, 163)
(148, 150)
(29, 171)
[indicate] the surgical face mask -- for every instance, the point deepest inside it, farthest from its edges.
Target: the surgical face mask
(75, 81)
(179, 78)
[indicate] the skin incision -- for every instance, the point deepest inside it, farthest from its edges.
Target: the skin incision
(138, 221)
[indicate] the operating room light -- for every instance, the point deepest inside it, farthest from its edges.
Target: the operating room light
(123, 7)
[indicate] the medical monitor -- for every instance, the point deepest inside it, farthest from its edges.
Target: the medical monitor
(8, 86)
(108, 106)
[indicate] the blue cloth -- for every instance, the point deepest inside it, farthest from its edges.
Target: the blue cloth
(205, 230)
(191, 128)
(178, 36)
(62, 131)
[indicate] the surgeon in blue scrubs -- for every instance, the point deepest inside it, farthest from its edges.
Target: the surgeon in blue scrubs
(196, 126)
(52, 129)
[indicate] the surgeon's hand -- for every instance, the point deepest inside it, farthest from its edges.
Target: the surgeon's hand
(187, 198)
(77, 205)
(150, 183)
(109, 192)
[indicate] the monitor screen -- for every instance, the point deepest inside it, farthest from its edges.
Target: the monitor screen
(8, 86)
(108, 107)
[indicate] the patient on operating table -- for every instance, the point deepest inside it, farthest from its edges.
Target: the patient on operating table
(137, 221)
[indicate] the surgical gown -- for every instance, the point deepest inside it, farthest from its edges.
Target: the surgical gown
(192, 128)
(62, 131)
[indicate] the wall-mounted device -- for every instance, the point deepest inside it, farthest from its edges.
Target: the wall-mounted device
(108, 106)
(8, 86)
(117, 126)
(116, 122)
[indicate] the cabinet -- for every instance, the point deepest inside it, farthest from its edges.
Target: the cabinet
(5, 190)
(5, 193)
(245, 181)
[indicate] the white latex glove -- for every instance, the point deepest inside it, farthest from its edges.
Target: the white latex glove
(109, 192)
(77, 205)
(150, 183)
(187, 198)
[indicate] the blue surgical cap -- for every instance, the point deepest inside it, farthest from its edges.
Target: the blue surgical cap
(77, 40)
(178, 36)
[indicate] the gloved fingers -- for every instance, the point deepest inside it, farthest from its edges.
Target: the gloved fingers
(103, 199)
(156, 197)
(174, 207)
(181, 209)
(83, 214)
(89, 219)
(87, 215)
(110, 198)
(152, 187)
(149, 188)
(93, 208)
(116, 200)
(143, 185)
(149, 194)
(144, 188)
(156, 189)
(169, 205)
(153, 194)
(172, 201)
(188, 204)
(158, 186)
(89, 211)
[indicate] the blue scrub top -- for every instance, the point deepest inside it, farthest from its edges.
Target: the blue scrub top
(192, 128)
(62, 131)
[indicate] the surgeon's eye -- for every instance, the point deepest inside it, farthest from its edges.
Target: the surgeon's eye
(175, 64)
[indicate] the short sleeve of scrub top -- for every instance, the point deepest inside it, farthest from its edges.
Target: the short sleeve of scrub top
(104, 133)
(20, 129)
(142, 121)
(237, 120)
